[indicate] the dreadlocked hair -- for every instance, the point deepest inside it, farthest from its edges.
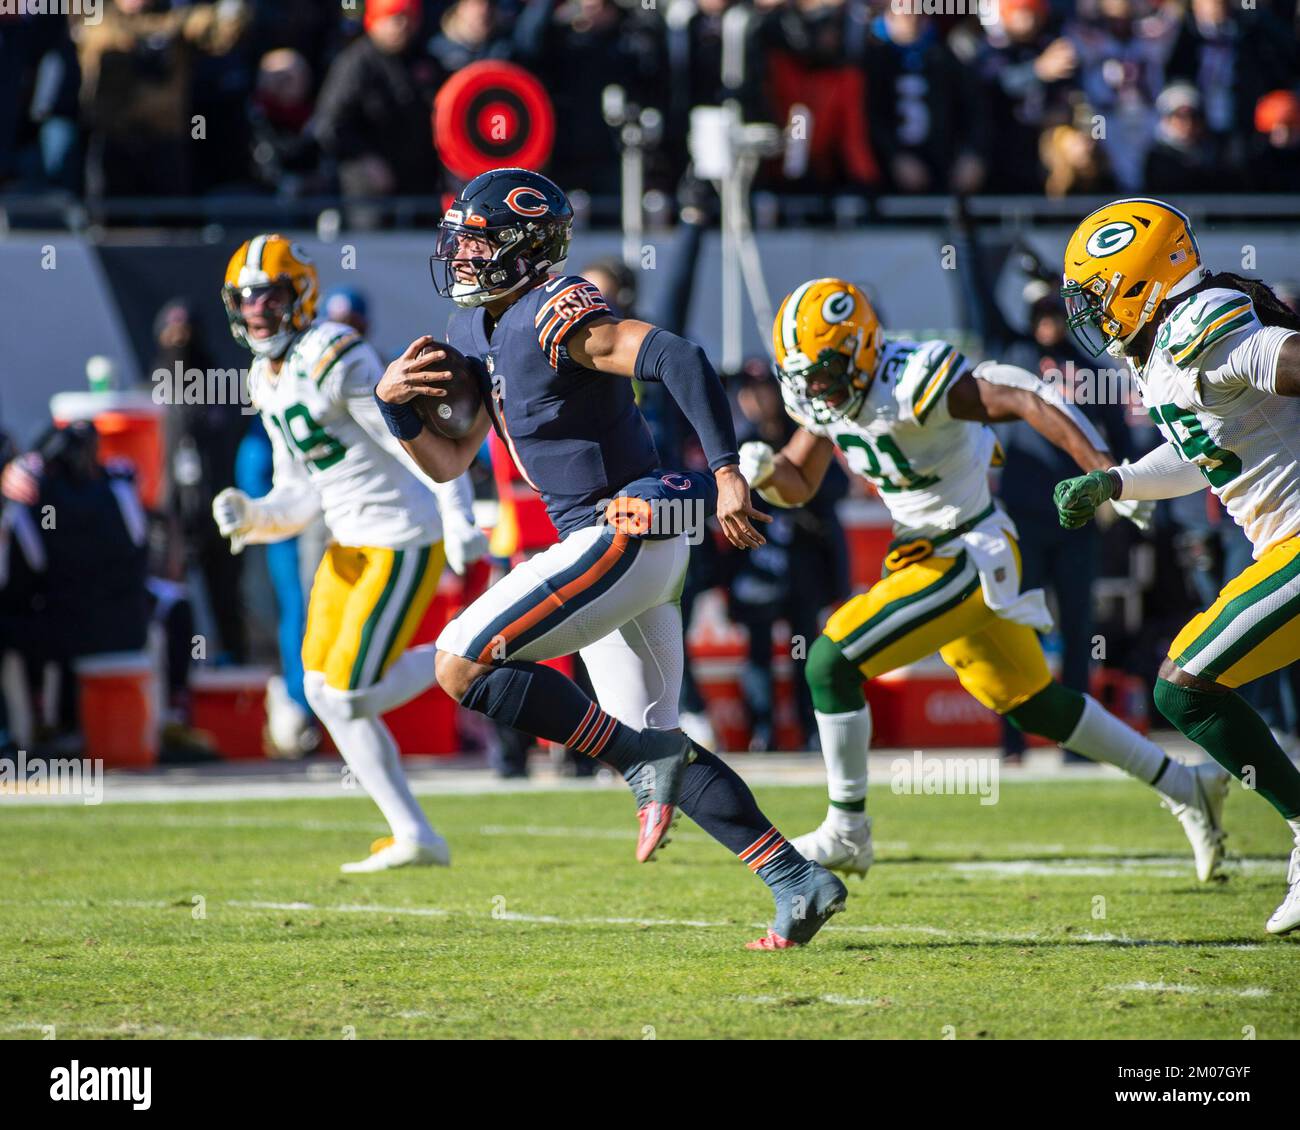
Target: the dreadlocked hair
(1270, 309)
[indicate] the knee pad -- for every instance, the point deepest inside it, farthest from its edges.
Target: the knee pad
(834, 680)
(498, 693)
(1052, 713)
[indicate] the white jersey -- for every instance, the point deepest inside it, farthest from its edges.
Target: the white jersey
(1210, 387)
(931, 469)
(325, 428)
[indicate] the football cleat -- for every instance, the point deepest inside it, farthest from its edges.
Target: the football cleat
(850, 852)
(1287, 916)
(1202, 820)
(656, 782)
(802, 910)
(389, 853)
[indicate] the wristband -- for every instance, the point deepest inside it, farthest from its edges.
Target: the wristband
(402, 420)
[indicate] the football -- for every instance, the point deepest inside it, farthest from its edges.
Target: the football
(452, 415)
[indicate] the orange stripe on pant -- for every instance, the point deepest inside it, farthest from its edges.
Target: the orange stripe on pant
(552, 602)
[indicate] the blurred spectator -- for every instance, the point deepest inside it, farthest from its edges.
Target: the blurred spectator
(1276, 163)
(39, 82)
(201, 443)
(1232, 54)
(1051, 558)
(348, 306)
(928, 121)
(15, 595)
(802, 569)
(285, 155)
(136, 94)
(1185, 158)
(693, 32)
(469, 31)
(578, 48)
(813, 66)
(1075, 163)
(373, 114)
(1120, 59)
(87, 588)
(1031, 71)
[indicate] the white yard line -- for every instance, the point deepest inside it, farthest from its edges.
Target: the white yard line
(1163, 987)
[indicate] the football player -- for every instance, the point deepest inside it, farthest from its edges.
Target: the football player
(552, 363)
(313, 384)
(912, 418)
(1216, 359)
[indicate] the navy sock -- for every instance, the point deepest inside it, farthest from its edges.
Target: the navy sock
(542, 702)
(715, 797)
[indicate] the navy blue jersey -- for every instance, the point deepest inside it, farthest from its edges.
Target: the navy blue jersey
(576, 435)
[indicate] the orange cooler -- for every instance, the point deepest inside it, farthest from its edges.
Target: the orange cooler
(118, 717)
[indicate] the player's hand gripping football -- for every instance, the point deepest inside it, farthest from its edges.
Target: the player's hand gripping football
(736, 510)
(420, 373)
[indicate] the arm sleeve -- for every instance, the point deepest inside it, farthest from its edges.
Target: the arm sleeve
(682, 366)
(1160, 473)
(1015, 377)
(1248, 358)
(292, 503)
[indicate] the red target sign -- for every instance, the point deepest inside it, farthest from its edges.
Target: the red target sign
(491, 114)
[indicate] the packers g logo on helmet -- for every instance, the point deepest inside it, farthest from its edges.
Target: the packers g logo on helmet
(1121, 263)
(826, 339)
(268, 260)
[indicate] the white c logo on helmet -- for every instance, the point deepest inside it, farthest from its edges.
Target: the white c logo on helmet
(837, 307)
(1110, 238)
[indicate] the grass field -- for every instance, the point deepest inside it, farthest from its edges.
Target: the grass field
(1069, 909)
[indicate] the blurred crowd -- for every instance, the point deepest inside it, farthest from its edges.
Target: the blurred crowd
(292, 98)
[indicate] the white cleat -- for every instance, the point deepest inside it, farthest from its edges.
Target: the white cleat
(848, 852)
(1287, 916)
(1202, 820)
(388, 853)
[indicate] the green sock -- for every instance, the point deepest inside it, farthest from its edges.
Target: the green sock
(850, 805)
(1233, 733)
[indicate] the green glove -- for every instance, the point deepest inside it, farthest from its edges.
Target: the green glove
(1077, 499)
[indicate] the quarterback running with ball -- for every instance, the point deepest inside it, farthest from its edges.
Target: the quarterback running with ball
(911, 418)
(1216, 359)
(313, 383)
(552, 364)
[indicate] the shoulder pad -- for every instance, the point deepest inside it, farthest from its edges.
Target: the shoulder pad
(565, 303)
(1202, 320)
(926, 375)
(322, 346)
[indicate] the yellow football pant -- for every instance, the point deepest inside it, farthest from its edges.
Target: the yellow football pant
(1254, 626)
(366, 604)
(937, 605)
